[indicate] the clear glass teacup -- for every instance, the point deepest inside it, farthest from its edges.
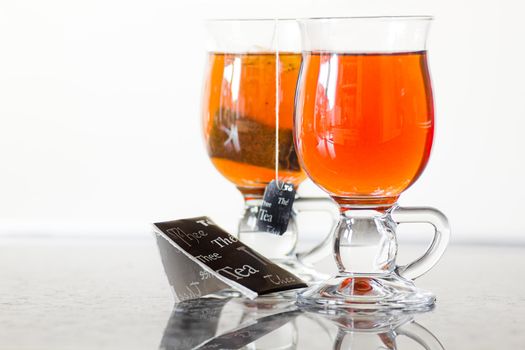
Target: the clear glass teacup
(247, 112)
(364, 126)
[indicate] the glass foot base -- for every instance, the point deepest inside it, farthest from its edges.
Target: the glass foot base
(367, 293)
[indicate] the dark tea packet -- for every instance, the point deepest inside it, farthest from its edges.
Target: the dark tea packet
(222, 259)
(276, 208)
(187, 279)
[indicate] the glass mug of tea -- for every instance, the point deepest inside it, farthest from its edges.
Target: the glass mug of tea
(247, 112)
(364, 127)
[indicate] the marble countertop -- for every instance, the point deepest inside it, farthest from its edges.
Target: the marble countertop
(112, 294)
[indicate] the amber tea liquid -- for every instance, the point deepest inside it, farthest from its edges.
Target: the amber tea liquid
(239, 118)
(367, 123)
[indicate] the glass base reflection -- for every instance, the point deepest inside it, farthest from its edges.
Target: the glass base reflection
(238, 324)
(375, 330)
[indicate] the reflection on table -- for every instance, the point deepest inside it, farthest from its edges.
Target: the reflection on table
(213, 323)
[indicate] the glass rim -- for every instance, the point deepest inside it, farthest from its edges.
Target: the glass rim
(223, 20)
(326, 18)
(372, 17)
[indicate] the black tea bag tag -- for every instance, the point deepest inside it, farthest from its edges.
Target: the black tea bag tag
(225, 260)
(276, 208)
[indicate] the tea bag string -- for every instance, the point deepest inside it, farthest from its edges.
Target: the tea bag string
(276, 39)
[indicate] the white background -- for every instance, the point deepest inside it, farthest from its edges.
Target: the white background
(100, 113)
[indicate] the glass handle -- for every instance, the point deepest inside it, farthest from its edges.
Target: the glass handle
(420, 335)
(436, 249)
(318, 204)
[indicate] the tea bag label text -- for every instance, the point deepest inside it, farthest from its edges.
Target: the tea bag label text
(224, 257)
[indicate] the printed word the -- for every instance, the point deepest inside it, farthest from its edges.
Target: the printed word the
(283, 201)
(223, 242)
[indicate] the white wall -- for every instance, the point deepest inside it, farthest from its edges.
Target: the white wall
(100, 123)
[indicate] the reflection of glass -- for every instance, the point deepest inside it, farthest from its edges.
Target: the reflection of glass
(239, 122)
(374, 331)
(364, 129)
(275, 319)
(238, 324)
(264, 333)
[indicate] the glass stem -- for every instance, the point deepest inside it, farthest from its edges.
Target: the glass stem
(365, 242)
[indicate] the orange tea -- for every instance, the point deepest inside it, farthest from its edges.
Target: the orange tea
(367, 123)
(239, 118)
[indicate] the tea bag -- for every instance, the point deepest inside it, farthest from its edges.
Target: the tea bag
(242, 139)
